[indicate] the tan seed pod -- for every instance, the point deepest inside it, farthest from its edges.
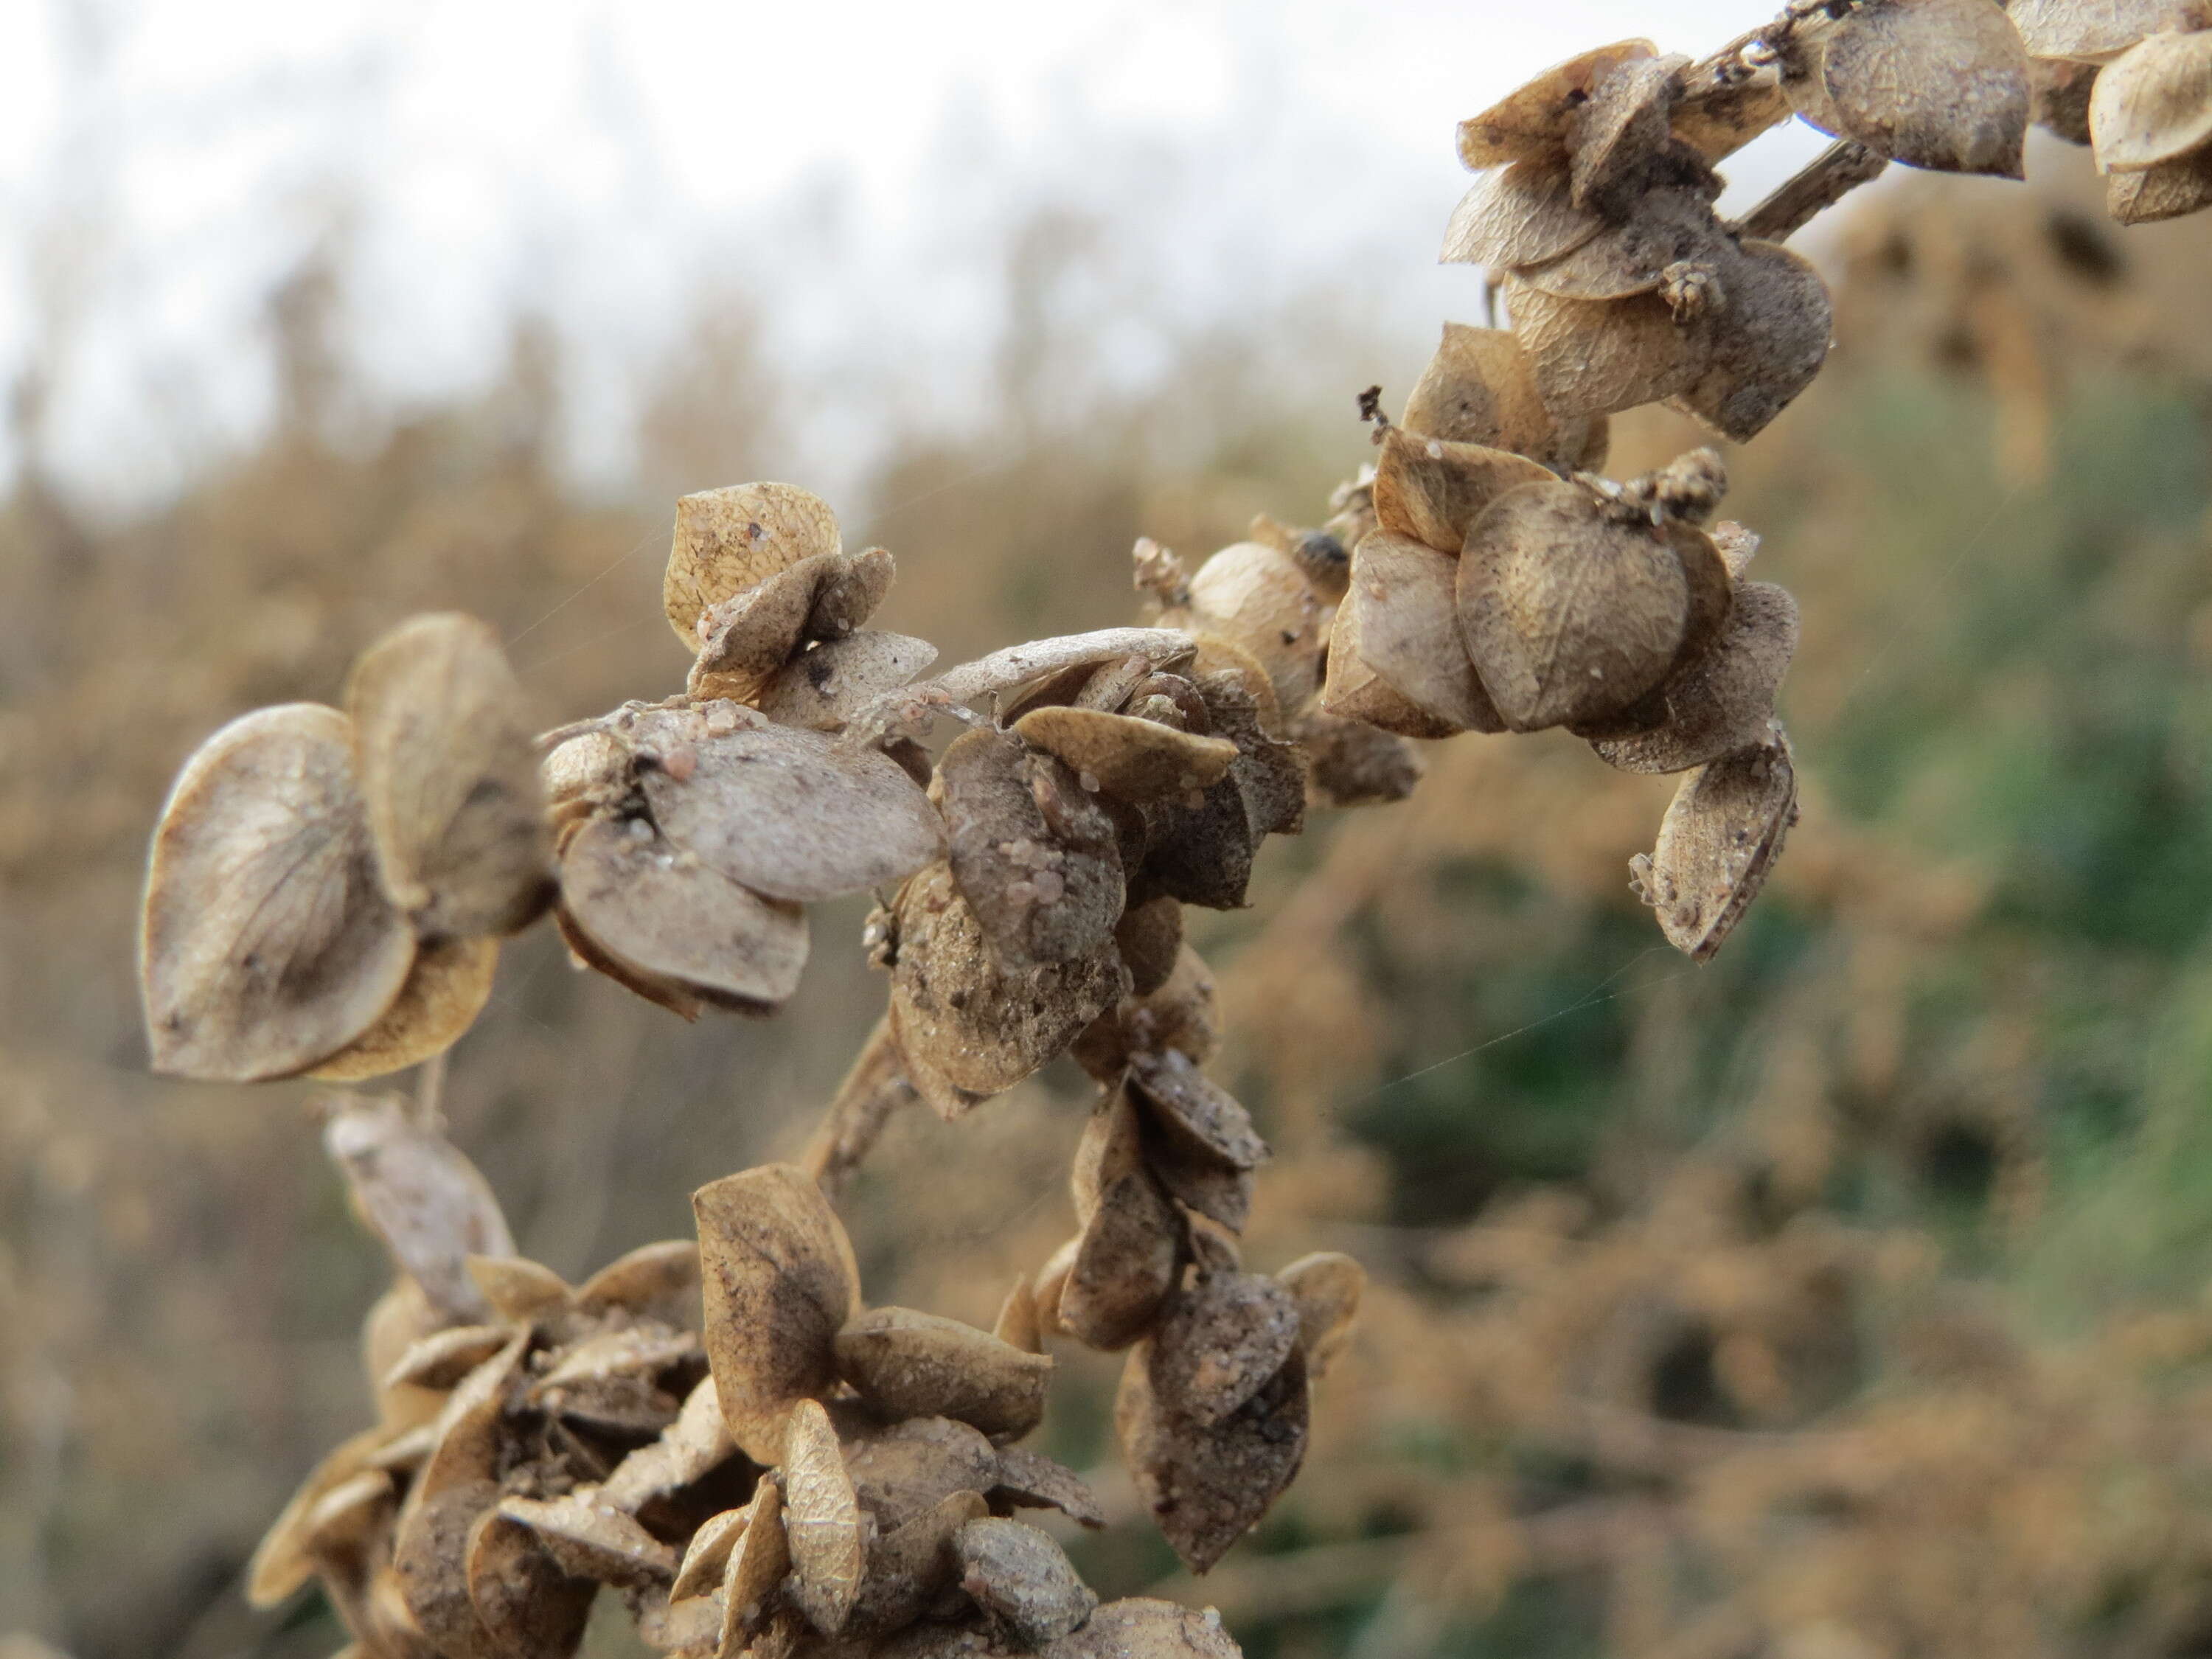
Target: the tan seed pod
(417, 1192)
(779, 1282)
(937, 1091)
(653, 1281)
(1138, 760)
(1111, 1148)
(1052, 1281)
(1137, 1628)
(1401, 607)
(1356, 694)
(585, 776)
(352, 1515)
(1037, 859)
(431, 1556)
(1722, 702)
(267, 942)
(982, 1028)
(1532, 122)
(1597, 356)
(1259, 600)
(1327, 1286)
(911, 1567)
(795, 816)
(1615, 136)
(901, 1470)
(1771, 341)
(1219, 1341)
(443, 1358)
(595, 1541)
(1481, 388)
(706, 1557)
(1569, 614)
(2096, 30)
(441, 746)
(2153, 102)
(728, 540)
(822, 1517)
(2166, 191)
(1022, 1580)
(1190, 1110)
(519, 1289)
(1207, 1484)
(746, 638)
(905, 1364)
(759, 1560)
(659, 915)
(1665, 229)
(282, 1561)
(825, 686)
(1350, 764)
(1522, 214)
(1722, 120)
(526, 1606)
(1030, 1480)
(1124, 1266)
(1182, 1015)
(1205, 1186)
(851, 597)
(1016, 1324)
(1150, 937)
(1717, 843)
(1431, 490)
(1933, 84)
(446, 990)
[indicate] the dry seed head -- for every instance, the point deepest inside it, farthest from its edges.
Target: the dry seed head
(902, 1470)
(1111, 1148)
(1219, 1342)
(430, 1554)
(1533, 120)
(1138, 760)
(443, 1359)
(745, 638)
(594, 1540)
(1124, 1265)
(912, 1567)
(525, 1602)
(267, 942)
(905, 1364)
(1192, 1112)
(1597, 356)
(1717, 842)
(728, 540)
(655, 1281)
(1261, 600)
(2060, 90)
(1030, 1480)
(1356, 697)
(446, 990)
(758, 1562)
(1479, 388)
(283, 1561)
(1665, 231)
(2153, 102)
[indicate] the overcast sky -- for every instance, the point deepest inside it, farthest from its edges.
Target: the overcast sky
(162, 162)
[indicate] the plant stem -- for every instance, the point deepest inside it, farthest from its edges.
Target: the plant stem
(873, 1091)
(1834, 174)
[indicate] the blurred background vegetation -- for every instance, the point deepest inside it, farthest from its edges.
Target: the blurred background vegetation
(1845, 1298)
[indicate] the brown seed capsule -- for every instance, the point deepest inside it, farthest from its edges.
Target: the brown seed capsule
(1569, 614)
(1207, 1485)
(1718, 841)
(706, 1557)
(519, 1289)
(912, 1566)
(1597, 357)
(442, 746)
(2153, 102)
(1124, 1266)
(525, 1603)
(1481, 388)
(1615, 136)
(822, 1516)
(445, 992)
(1327, 1286)
(1722, 120)
(469, 1435)
(267, 942)
(1023, 1580)
(1138, 760)
(1933, 84)
(1192, 1112)
(1219, 1341)
(728, 540)
(1522, 214)
(2166, 191)
(1533, 121)
(1770, 343)
(1150, 938)
(825, 685)
(444, 1358)
(1112, 1148)
(430, 1554)
(1030, 1480)
(900, 1470)
(593, 1539)
(653, 1281)
(1722, 702)
(1402, 624)
(2096, 30)
(779, 1282)
(1431, 491)
(654, 915)
(1045, 886)
(1259, 600)
(745, 638)
(759, 1560)
(421, 1196)
(916, 1364)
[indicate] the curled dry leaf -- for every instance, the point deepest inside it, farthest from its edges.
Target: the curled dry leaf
(1569, 614)
(1031, 1480)
(1401, 608)
(1124, 1265)
(2153, 102)
(822, 1517)
(706, 1557)
(1138, 760)
(1219, 1341)
(446, 990)
(759, 1561)
(2094, 30)
(1433, 490)
(728, 540)
(905, 1364)
(779, 1281)
(1717, 843)
(1722, 701)
(527, 1605)
(2166, 191)
(1022, 1580)
(1522, 214)
(794, 815)
(1035, 857)
(984, 1029)
(467, 1437)
(745, 638)
(1933, 84)
(267, 942)
(441, 746)
(1533, 121)
(1327, 1286)
(825, 686)
(421, 1196)
(659, 920)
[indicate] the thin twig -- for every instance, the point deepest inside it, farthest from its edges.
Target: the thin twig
(875, 1089)
(1825, 180)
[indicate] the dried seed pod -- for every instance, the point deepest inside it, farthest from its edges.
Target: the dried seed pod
(901, 1470)
(2096, 30)
(1138, 760)
(1016, 1323)
(744, 639)
(1667, 230)
(911, 1567)
(1717, 842)
(822, 1517)
(653, 1281)
(687, 1450)
(421, 1196)
(443, 1359)
(594, 1541)
(758, 1562)
(1431, 490)
(1569, 614)
(794, 815)
(1722, 701)
(1403, 627)
(282, 1561)
(825, 686)
(441, 746)
(850, 598)
(526, 1606)
(431, 1556)
(1030, 1480)
(1933, 84)
(1327, 1286)
(2166, 191)
(519, 1289)
(2153, 102)
(1622, 128)
(1481, 388)
(1150, 938)
(446, 990)
(1192, 1112)
(1217, 1343)
(1596, 357)
(1773, 339)
(706, 1557)
(1022, 1580)
(1720, 119)
(1112, 1148)
(1137, 1628)
(267, 942)
(937, 1091)
(1124, 1266)
(779, 1281)
(1522, 214)
(469, 1434)
(1352, 764)
(1035, 857)
(1261, 600)
(982, 1028)
(1207, 1485)
(1181, 1015)
(916, 1364)
(659, 920)
(728, 540)
(1533, 121)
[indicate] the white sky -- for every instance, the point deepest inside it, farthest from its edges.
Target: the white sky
(162, 162)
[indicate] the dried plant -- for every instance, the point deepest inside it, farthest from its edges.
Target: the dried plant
(723, 1432)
